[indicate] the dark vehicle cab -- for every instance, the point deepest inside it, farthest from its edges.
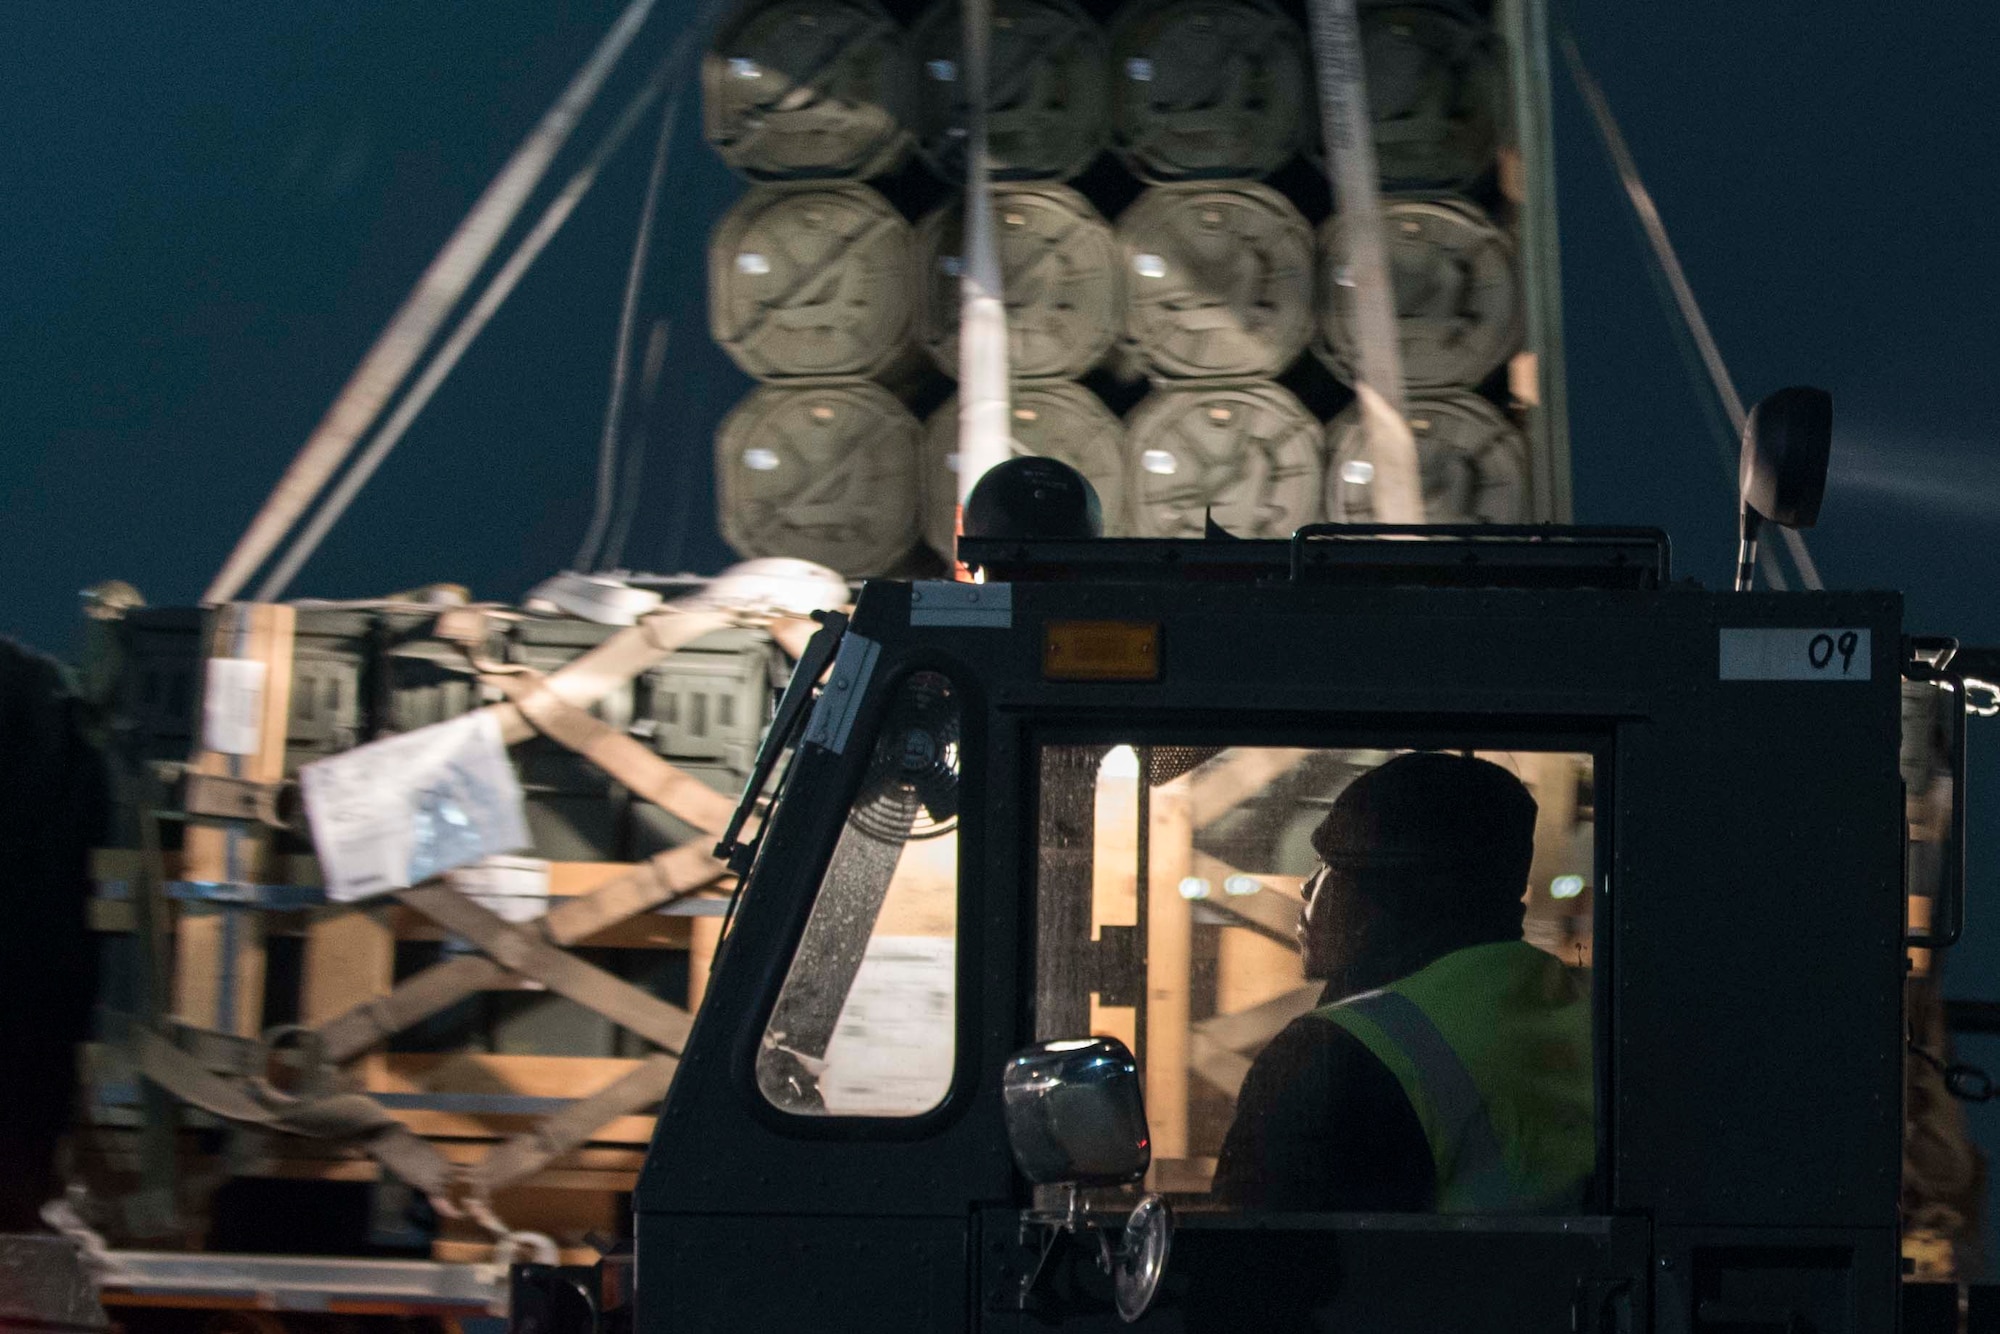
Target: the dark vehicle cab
(1075, 799)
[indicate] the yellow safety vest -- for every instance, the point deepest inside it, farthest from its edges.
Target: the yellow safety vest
(1492, 1046)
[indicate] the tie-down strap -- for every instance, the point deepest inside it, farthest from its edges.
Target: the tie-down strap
(358, 1118)
(622, 757)
(531, 951)
(662, 879)
(336, 1116)
(525, 952)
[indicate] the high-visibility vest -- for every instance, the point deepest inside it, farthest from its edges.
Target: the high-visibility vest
(1492, 1046)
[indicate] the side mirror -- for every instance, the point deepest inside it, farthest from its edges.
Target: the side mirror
(1787, 441)
(1076, 1116)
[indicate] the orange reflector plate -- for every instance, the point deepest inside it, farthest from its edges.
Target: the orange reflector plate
(1101, 651)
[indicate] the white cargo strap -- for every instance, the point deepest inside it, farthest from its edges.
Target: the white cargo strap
(1648, 215)
(410, 331)
(1350, 155)
(985, 417)
(1473, 1160)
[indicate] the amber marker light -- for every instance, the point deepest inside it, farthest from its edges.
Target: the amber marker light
(1101, 651)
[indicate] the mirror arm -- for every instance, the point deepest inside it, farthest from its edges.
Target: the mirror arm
(1749, 521)
(1053, 1227)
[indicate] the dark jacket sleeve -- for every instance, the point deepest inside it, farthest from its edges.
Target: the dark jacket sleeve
(1322, 1125)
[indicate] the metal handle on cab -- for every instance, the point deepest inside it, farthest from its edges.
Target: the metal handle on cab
(1642, 548)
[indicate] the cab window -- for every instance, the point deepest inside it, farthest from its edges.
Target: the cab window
(1171, 881)
(864, 1023)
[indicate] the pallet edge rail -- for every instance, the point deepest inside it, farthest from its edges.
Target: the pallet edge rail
(220, 1069)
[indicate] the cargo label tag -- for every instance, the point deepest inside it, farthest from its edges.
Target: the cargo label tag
(232, 705)
(1832, 654)
(948, 602)
(514, 889)
(840, 699)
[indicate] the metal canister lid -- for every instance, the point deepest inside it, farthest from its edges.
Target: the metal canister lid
(1205, 89)
(811, 281)
(1473, 461)
(1049, 95)
(810, 89)
(1059, 271)
(1052, 418)
(826, 473)
(1250, 452)
(1457, 287)
(1219, 278)
(1435, 92)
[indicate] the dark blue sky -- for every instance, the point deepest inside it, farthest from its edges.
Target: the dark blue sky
(215, 207)
(212, 208)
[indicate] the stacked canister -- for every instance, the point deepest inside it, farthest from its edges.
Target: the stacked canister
(1213, 316)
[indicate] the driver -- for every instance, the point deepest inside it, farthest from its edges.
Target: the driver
(1448, 1068)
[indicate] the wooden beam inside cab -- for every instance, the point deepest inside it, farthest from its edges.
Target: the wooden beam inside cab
(1169, 955)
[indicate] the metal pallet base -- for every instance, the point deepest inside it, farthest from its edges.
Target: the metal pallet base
(303, 1282)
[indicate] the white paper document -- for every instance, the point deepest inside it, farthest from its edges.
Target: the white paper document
(403, 809)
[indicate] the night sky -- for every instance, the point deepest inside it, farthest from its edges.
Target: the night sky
(211, 210)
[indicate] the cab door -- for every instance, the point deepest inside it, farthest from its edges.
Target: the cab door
(814, 1158)
(1169, 876)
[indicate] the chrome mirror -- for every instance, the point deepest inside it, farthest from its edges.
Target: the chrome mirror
(1075, 1113)
(1076, 1117)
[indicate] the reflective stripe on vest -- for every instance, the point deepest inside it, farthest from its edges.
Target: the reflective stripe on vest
(1465, 1136)
(1492, 1046)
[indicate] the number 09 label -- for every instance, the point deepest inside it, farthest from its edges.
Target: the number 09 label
(1832, 654)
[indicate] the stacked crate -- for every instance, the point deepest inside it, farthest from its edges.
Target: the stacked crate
(1213, 317)
(810, 284)
(258, 949)
(1213, 95)
(1437, 89)
(1046, 123)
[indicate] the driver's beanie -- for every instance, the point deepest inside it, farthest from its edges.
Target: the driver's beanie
(1434, 832)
